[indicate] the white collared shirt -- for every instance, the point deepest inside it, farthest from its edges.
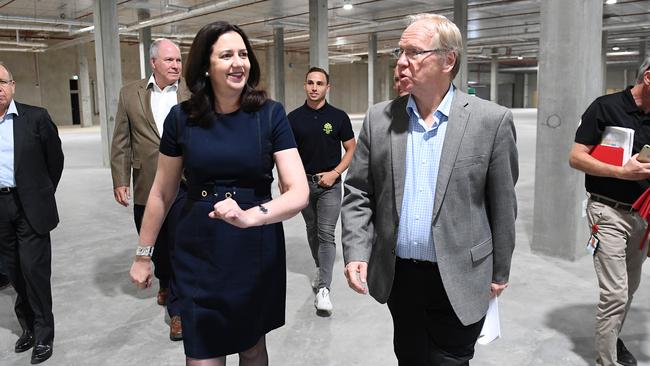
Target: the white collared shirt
(162, 101)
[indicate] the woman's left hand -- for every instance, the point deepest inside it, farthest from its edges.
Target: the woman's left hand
(229, 211)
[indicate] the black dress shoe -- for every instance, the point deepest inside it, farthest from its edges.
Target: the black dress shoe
(25, 342)
(623, 356)
(41, 353)
(4, 282)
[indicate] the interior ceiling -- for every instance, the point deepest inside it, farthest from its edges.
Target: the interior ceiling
(507, 28)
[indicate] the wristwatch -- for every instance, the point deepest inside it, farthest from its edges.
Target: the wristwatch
(144, 251)
(263, 209)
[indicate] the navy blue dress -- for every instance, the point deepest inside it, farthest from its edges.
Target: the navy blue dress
(231, 281)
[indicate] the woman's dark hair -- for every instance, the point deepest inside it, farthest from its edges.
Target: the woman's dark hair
(200, 106)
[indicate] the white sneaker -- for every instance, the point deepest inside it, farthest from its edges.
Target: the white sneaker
(316, 279)
(322, 301)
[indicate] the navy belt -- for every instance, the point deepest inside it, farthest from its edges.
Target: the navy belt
(214, 192)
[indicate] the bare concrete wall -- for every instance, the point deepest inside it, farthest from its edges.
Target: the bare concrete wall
(43, 79)
(23, 66)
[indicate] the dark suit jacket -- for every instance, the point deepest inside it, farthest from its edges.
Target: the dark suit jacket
(136, 140)
(474, 209)
(38, 164)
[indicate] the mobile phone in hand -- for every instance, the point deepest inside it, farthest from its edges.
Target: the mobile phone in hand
(644, 155)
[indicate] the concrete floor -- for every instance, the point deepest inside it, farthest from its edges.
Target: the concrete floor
(547, 312)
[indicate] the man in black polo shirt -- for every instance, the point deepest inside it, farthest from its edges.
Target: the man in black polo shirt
(616, 229)
(319, 130)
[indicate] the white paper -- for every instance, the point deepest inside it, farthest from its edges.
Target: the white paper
(619, 137)
(492, 325)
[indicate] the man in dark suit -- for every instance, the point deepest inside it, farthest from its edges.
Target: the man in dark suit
(31, 162)
(141, 111)
(429, 209)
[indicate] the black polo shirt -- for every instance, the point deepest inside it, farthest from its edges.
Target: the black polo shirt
(616, 109)
(319, 133)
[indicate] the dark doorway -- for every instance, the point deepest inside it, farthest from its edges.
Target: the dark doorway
(74, 102)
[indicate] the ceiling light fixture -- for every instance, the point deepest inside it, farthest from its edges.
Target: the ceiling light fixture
(610, 2)
(616, 48)
(347, 4)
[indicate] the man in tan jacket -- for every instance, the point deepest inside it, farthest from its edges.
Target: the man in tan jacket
(141, 111)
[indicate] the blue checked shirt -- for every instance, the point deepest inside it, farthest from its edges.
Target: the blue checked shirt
(423, 151)
(7, 147)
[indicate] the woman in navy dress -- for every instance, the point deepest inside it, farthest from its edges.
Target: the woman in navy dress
(230, 255)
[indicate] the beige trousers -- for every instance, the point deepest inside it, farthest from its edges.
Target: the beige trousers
(618, 263)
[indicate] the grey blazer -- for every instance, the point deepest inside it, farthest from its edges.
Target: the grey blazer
(474, 210)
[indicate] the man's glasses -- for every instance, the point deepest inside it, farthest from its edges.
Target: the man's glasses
(413, 54)
(5, 82)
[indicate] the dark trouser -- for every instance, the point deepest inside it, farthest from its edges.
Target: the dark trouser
(27, 257)
(321, 216)
(163, 253)
(427, 331)
(3, 271)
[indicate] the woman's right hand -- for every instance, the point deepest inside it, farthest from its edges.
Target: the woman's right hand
(141, 272)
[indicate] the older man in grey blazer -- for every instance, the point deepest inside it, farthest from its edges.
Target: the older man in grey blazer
(429, 208)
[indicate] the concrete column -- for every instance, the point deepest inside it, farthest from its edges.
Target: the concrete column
(144, 38)
(269, 68)
(460, 19)
(625, 82)
(278, 71)
(494, 77)
(318, 56)
(559, 224)
(109, 70)
(603, 59)
(372, 67)
(526, 85)
(84, 87)
(642, 50)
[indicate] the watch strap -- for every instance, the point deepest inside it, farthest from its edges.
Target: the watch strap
(144, 251)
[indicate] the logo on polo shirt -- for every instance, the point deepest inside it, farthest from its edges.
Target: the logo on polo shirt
(327, 128)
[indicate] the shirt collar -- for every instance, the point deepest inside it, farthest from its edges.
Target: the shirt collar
(444, 107)
(152, 84)
(11, 110)
(630, 104)
(321, 109)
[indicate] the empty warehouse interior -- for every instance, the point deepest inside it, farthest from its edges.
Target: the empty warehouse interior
(545, 60)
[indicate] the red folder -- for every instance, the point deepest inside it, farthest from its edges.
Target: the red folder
(608, 154)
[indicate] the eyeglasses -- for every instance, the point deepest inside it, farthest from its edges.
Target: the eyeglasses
(413, 54)
(5, 82)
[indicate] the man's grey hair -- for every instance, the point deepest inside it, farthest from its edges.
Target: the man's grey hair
(445, 35)
(155, 45)
(8, 71)
(642, 69)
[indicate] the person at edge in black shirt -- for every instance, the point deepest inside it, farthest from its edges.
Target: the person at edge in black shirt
(617, 229)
